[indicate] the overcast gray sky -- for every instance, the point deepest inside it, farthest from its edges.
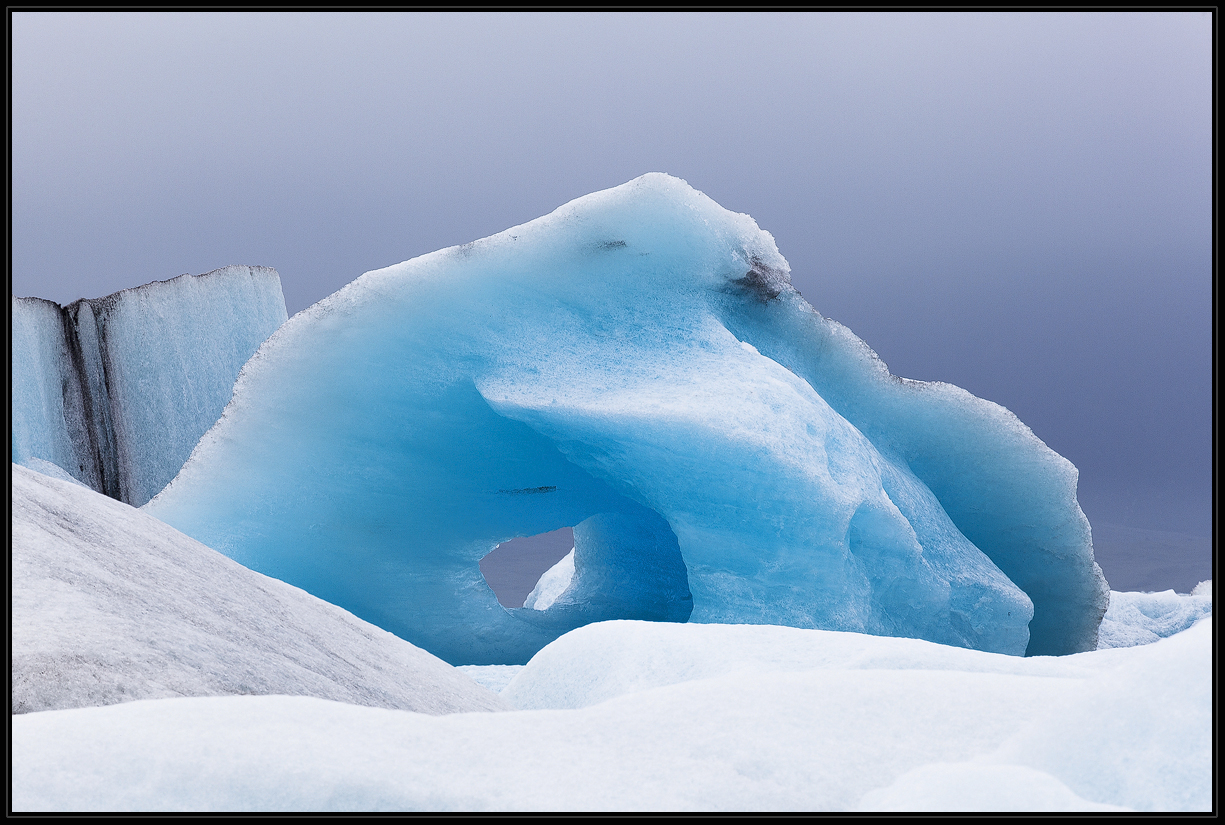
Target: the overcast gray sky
(1019, 204)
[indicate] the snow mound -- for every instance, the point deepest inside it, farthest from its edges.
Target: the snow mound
(111, 605)
(1097, 731)
(601, 661)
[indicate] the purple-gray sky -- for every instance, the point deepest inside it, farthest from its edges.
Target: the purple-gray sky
(1019, 204)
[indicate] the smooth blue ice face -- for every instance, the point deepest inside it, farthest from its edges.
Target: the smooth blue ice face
(635, 364)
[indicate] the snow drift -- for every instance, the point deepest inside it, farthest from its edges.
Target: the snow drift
(676, 717)
(635, 365)
(110, 605)
(115, 392)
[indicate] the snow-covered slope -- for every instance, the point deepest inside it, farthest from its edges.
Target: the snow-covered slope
(851, 722)
(116, 391)
(111, 605)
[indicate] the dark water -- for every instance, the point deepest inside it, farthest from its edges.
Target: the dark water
(1151, 560)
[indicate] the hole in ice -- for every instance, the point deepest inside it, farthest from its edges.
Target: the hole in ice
(513, 567)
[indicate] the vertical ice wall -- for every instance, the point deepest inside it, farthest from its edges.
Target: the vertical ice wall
(47, 434)
(116, 391)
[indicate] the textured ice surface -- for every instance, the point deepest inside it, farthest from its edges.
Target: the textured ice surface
(552, 584)
(635, 365)
(116, 391)
(111, 605)
(494, 677)
(852, 722)
(46, 409)
(1142, 618)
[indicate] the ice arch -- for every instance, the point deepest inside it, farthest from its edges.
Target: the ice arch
(638, 359)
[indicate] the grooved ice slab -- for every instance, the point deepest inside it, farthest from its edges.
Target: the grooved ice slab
(116, 391)
(636, 365)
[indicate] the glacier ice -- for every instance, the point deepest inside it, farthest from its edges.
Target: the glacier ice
(635, 365)
(48, 425)
(1137, 618)
(493, 677)
(116, 391)
(111, 605)
(553, 582)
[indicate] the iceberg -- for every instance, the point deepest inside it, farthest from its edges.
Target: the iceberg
(116, 391)
(1138, 618)
(637, 366)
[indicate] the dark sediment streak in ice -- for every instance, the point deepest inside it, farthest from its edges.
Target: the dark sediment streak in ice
(116, 391)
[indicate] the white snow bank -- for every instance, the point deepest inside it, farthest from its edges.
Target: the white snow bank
(972, 787)
(601, 661)
(111, 605)
(1105, 730)
(607, 659)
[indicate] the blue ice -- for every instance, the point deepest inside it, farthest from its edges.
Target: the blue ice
(635, 365)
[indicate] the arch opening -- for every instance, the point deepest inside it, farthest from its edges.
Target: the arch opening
(513, 568)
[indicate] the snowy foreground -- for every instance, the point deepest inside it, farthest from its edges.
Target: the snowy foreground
(619, 715)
